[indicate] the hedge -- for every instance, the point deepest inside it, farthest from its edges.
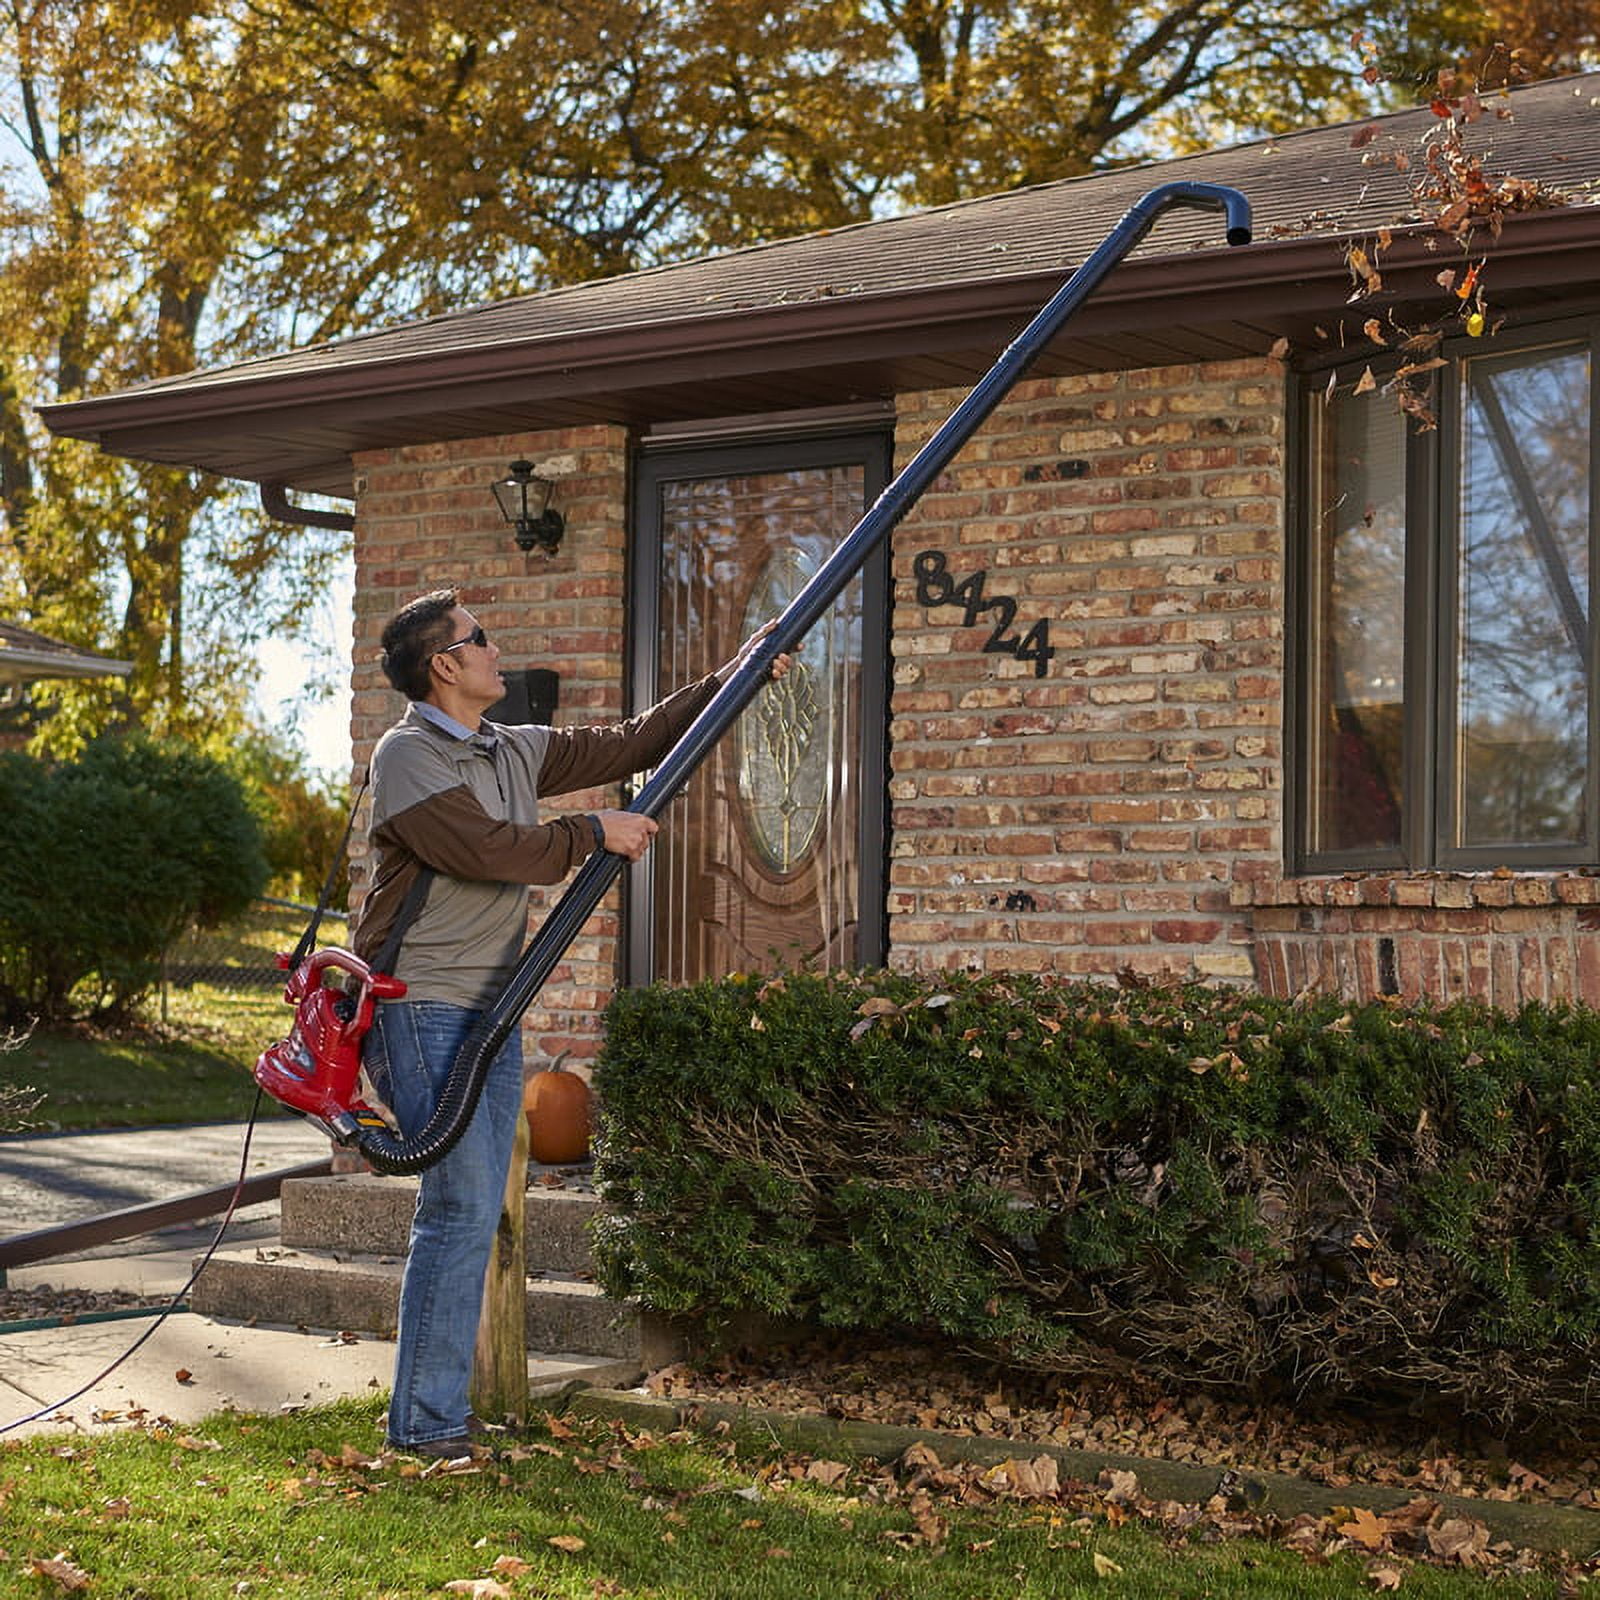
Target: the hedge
(1204, 1187)
(107, 859)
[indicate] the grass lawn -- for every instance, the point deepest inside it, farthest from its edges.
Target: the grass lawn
(304, 1506)
(189, 1059)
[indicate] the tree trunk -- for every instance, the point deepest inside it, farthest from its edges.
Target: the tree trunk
(500, 1359)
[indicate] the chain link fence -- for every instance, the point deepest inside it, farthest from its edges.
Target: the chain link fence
(226, 980)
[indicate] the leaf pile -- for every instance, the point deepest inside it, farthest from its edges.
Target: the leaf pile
(947, 1391)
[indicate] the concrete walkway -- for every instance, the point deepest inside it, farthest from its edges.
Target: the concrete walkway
(188, 1366)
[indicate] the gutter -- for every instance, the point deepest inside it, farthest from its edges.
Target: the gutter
(275, 502)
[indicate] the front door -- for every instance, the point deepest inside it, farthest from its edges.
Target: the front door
(773, 854)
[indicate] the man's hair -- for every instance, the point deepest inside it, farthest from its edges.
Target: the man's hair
(413, 636)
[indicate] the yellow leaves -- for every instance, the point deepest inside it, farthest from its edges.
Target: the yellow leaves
(1104, 1566)
(569, 1543)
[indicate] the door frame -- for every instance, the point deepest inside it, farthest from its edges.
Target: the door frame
(667, 461)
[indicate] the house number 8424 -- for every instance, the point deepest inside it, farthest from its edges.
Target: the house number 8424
(935, 587)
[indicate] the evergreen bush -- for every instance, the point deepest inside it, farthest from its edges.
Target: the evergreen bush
(1207, 1187)
(108, 858)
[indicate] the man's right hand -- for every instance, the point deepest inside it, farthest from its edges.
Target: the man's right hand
(628, 834)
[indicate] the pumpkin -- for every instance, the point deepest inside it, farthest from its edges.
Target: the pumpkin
(557, 1104)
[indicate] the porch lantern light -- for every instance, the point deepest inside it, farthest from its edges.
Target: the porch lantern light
(524, 500)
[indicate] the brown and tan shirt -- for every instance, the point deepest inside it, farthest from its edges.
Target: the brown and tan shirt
(469, 808)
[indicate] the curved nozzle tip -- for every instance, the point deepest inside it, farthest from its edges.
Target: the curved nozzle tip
(1238, 235)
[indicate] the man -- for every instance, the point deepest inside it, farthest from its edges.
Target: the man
(458, 796)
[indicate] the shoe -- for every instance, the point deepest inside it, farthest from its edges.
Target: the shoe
(437, 1449)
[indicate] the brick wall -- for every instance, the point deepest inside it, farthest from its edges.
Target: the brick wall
(1121, 811)
(425, 516)
(1502, 937)
(1095, 818)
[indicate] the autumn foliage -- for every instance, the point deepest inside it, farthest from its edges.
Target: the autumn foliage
(1206, 1188)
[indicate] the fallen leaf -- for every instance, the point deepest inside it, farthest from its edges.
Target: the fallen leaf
(1385, 1575)
(1104, 1566)
(183, 1375)
(1365, 1528)
(1120, 1486)
(827, 1472)
(478, 1588)
(510, 1566)
(1457, 1539)
(60, 1571)
(569, 1542)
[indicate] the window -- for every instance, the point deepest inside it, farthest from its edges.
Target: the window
(1446, 704)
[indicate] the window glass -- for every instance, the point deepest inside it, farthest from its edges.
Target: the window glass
(1522, 630)
(1357, 574)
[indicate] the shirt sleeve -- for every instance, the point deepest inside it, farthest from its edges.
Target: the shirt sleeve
(580, 758)
(452, 833)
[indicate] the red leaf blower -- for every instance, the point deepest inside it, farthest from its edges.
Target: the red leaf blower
(314, 1070)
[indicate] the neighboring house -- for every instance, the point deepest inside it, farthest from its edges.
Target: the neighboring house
(1196, 661)
(27, 658)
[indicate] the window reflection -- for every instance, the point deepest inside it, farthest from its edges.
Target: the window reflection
(1522, 600)
(1358, 606)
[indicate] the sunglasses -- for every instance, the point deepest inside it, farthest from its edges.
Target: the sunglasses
(477, 637)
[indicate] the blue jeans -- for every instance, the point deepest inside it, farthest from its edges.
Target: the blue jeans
(408, 1055)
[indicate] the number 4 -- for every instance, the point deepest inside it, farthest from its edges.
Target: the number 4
(1036, 647)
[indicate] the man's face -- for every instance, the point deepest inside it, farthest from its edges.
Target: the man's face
(468, 667)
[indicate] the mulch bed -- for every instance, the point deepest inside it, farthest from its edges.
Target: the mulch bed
(909, 1387)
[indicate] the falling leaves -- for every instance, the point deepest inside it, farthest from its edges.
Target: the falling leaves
(1363, 272)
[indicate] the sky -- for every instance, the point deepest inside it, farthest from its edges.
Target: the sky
(287, 666)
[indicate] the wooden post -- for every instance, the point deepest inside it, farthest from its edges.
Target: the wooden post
(500, 1358)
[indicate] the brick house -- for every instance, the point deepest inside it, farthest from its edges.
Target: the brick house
(1197, 660)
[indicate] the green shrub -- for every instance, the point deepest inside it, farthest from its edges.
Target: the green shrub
(108, 857)
(1206, 1187)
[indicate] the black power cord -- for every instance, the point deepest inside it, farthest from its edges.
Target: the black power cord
(173, 1304)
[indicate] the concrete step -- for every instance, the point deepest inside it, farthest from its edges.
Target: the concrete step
(361, 1293)
(303, 1289)
(365, 1212)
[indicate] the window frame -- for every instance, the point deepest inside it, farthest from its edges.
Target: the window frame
(1431, 647)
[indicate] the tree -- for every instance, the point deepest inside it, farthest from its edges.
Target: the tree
(193, 181)
(109, 858)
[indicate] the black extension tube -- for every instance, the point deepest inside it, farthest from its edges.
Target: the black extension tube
(459, 1098)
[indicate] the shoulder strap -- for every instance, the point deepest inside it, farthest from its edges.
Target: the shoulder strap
(409, 907)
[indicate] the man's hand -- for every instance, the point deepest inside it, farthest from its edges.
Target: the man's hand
(780, 664)
(628, 834)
